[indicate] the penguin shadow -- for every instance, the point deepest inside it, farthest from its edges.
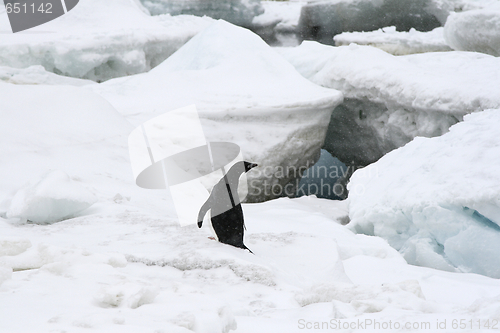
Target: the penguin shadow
(226, 213)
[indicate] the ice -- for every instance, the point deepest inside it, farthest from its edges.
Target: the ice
(37, 75)
(475, 30)
(397, 42)
(321, 20)
(279, 22)
(279, 123)
(240, 12)
(283, 14)
(390, 100)
(436, 199)
(54, 198)
(70, 132)
(98, 40)
(443, 8)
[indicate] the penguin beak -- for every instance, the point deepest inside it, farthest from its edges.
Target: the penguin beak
(253, 165)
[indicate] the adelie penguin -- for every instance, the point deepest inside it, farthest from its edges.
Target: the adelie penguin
(226, 213)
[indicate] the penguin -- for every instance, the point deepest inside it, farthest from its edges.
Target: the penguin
(226, 213)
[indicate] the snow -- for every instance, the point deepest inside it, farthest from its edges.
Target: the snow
(397, 42)
(279, 123)
(137, 270)
(98, 40)
(37, 75)
(390, 100)
(443, 8)
(55, 197)
(240, 12)
(321, 20)
(125, 265)
(475, 30)
(284, 14)
(41, 135)
(436, 199)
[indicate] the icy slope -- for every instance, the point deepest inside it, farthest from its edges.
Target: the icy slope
(390, 100)
(98, 40)
(475, 30)
(397, 42)
(245, 93)
(437, 200)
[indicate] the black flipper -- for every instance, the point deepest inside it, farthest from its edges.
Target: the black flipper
(203, 210)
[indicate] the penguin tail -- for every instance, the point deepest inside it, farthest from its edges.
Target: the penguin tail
(246, 248)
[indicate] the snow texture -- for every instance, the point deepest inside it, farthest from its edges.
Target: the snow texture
(436, 199)
(321, 20)
(475, 30)
(239, 12)
(93, 42)
(390, 100)
(279, 123)
(397, 42)
(54, 198)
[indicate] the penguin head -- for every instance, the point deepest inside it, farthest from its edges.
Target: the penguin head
(249, 166)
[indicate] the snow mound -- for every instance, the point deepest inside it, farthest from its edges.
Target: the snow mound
(436, 200)
(59, 128)
(279, 123)
(321, 20)
(54, 198)
(390, 100)
(397, 42)
(239, 12)
(99, 40)
(475, 30)
(37, 75)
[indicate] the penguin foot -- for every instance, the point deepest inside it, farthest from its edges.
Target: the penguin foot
(212, 238)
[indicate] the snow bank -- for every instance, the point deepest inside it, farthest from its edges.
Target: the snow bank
(475, 30)
(436, 200)
(390, 100)
(245, 93)
(63, 128)
(54, 198)
(397, 42)
(240, 12)
(321, 20)
(99, 40)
